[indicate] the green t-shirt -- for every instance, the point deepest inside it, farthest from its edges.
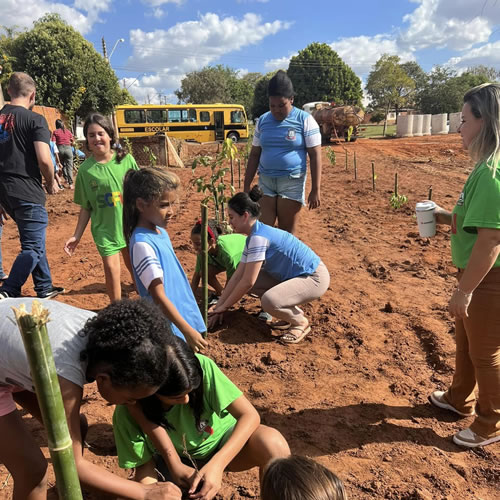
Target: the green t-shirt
(478, 206)
(99, 188)
(228, 256)
(134, 448)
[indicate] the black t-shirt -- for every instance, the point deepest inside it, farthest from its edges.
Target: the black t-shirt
(20, 176)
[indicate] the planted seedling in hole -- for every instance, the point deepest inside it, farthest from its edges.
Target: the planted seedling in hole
(151, 156)
(397, 200)
(330, 154)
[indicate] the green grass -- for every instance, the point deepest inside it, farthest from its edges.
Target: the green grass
(377, 130)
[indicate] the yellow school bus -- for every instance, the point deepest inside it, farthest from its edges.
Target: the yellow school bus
(191, 122)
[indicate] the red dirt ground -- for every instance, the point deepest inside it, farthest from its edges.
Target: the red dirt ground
(353, 395)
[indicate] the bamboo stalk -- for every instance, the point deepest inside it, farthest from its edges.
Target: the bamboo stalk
(396, 184)
(232, 171)
(373, 175)
(204, 263)
(239, 173)
(430, 193)
(346, 161)
(355, 167)
(33, 327)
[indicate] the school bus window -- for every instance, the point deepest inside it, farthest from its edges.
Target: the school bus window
(156, 115)
(174, 115)
(134, 116)
(188, 115)
(204, 116)
(236, 117)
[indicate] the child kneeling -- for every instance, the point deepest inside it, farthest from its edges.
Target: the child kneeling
(197, 410)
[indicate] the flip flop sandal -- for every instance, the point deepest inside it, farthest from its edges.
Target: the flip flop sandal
(280, 325)
(294, 338)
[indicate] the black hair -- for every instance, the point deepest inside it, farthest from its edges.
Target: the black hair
(280, 85)
(247, 202)
(214, 227)
(127, 340)
(60, 124)
(183, 373)
(148, 184)
(102, 121)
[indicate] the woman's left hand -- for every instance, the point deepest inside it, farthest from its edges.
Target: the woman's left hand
(459, 304)
(313, 199)
(210, 478)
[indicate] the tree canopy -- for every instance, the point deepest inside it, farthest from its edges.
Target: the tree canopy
(260, 103)
(319, 74)
(70, 74)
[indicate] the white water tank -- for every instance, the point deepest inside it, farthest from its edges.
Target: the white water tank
(405, 126)
(426, 126)
(455, 121)
(418, 122)
(439, 125)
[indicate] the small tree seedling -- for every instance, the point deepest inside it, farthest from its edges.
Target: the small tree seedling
(330, 154)
(151, 156)
(397, 200)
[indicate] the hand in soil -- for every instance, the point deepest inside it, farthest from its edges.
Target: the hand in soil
(210, 477)
(162, 491)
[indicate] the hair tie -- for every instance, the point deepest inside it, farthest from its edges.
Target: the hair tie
(209, 230)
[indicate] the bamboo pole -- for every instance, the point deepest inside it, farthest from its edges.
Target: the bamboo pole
(232, 171)
(239, 173)
(396, 184)
(346, 161)
(430, 193)
(33, 327)
(204, 263)
(373, 175)
(355, 167)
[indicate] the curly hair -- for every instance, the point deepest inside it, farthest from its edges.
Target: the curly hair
(128, 340)
(183, 374)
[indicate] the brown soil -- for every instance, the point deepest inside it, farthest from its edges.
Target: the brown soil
(353, 395)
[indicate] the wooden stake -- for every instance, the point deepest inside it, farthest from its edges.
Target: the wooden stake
(430, 193)
(239, 173)
(204, 263)
(373, 175)
(346, 161)
(355, 167)
(396, 184)
(232, 171)
(33, 327)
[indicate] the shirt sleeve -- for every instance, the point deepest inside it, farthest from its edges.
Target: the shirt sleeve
(56, 151)
(80, 197)
(255, 249)
(133, 163)
(41, 132)
(312, 135)
(256, 135)
(146, 263)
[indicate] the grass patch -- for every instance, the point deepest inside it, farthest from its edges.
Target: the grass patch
(369, 130)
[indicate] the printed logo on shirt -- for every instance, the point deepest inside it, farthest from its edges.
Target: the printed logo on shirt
(93, 185)
(461, 199)
(7, 123)
(109, 199)
(204, 427)
(290, 135)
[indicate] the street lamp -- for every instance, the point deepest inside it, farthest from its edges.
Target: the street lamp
(114, 47)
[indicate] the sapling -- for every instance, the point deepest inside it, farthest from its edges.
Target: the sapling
(330, 154)
(397, 200)
(151, 156)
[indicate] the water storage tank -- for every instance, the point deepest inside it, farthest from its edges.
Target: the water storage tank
(405, 126)
(418, 122)
(439, 125)
(426, 127)
(455, 120)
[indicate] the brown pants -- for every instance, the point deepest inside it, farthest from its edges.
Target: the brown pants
(478, 358)
(281, 298)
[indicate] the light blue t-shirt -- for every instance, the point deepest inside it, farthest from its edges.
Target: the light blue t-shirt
(285, 256)
(284, 143)
(152, 257)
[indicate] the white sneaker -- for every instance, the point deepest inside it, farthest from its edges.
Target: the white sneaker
(437, 399)
(470, 439)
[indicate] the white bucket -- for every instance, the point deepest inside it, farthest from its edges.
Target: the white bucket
(425, 218)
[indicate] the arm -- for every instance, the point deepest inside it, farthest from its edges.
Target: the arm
(247, 421)
(484, 254)
(45, 165)
(195, 282)
(314, 199)
(193, 338)
(442, 216)
(83, 220)
(252, 165)
(98, 478)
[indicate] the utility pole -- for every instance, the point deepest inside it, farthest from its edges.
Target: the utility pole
(104, 50)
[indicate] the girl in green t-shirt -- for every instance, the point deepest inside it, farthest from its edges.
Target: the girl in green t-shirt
(197, 413)
(224, 254)
(98, 191)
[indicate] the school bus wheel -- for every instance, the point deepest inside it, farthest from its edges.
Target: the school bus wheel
(233, 136)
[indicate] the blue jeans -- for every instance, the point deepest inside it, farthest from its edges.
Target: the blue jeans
(32, 221)
(2, 273)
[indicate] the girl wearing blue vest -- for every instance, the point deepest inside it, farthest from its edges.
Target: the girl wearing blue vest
(282, 270)
(149, 196)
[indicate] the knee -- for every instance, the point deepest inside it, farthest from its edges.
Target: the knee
(267, 303)
(271, 443)
(33, 478)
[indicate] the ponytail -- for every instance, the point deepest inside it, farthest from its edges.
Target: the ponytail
(247, 202)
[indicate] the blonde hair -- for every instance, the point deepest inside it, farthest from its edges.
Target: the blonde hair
(300, 478)
(484, 101)
(20, 85)
(149, 184)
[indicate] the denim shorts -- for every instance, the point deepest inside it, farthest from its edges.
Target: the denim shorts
(290, 187)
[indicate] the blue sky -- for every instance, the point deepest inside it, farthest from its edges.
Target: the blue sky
(165, 39)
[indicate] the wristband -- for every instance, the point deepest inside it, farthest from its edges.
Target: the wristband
(464, 293)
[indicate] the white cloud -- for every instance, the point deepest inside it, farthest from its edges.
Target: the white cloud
(454, 24)
(158, 13)
(279, 63)
(157, 3)
(189, 46)
(241, 72)
(488, 55)
(82, 16)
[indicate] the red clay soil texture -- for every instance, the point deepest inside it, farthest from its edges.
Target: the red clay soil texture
(352, 395)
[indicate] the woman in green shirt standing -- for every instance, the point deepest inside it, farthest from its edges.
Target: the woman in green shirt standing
(99, 192)
(475, 250)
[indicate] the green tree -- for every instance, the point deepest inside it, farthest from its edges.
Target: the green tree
(260, 104)
(492, 74)
(420, 79)
(319, 74)
(388, 85)
(125, 97)
(70, 74)
(7, 60)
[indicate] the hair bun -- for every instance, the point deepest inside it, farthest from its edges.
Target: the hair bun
(255, 193)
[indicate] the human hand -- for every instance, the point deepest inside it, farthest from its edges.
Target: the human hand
(52, 188)
(3, 216)
(182, 474)
(196, 340)
(459, 304)
(70, 245)
(313, 199)
(210, 478)
(215, 315)
(162, 491)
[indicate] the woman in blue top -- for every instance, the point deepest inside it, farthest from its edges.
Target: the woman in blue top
(275, 265)
(283, 139)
